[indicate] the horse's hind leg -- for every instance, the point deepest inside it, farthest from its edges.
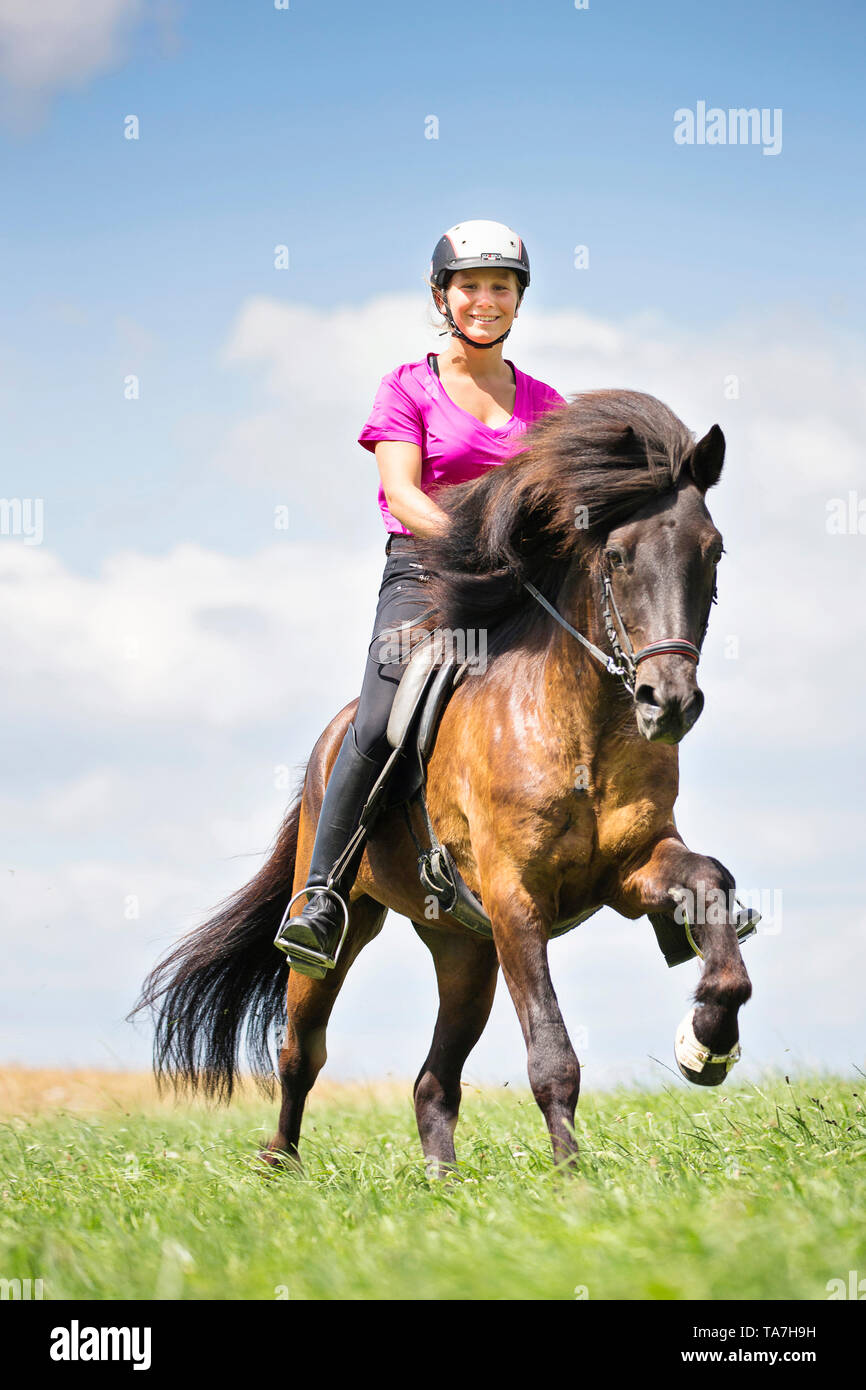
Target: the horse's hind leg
(466, 968)
(309, 1004)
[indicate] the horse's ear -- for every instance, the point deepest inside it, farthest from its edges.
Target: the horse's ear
(707, 458)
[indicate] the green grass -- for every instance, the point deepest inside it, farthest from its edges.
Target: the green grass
(753, 1192)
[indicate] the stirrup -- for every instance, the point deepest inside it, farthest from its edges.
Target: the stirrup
(317, 960)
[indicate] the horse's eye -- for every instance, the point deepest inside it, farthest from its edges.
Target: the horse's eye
(615, 559)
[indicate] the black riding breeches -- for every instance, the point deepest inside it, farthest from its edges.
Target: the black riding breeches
(402, 602)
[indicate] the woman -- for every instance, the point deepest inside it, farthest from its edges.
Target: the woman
(436, 422)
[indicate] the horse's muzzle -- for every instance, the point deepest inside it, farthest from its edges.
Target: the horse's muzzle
(665, 716)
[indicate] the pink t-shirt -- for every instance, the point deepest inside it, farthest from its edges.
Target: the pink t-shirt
(413, 405)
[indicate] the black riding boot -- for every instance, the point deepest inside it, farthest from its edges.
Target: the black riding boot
(311, 938)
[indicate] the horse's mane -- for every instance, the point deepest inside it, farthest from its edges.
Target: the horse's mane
(583, 469)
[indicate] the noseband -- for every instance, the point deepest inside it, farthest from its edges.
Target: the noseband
(625, 653)
(625, 660)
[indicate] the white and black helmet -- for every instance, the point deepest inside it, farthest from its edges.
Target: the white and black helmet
(483, 245)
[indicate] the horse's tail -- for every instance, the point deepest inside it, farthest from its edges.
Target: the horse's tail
(223, 987)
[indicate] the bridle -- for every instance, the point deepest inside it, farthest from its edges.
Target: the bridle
(625, 660)
(624, 663)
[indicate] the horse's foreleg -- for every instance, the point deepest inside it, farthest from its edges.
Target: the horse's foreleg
(703, 891)
(520, 933)
(466, 968)
(309, 1004)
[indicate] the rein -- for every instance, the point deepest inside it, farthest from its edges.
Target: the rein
(625, 660)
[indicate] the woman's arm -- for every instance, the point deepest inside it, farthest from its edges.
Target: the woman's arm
(400, 471)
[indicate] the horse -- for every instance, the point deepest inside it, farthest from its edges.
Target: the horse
(552, 782)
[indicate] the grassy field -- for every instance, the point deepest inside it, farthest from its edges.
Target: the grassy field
(750, 1192)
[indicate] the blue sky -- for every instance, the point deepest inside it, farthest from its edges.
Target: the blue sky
(151, 691)
(306, 127)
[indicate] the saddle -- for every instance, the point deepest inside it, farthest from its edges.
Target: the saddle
(431, 677)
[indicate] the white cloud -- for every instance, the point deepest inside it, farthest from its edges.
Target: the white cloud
(795, 419)
(193, 654)
(191, 635)
(788, 590)
(53, 46)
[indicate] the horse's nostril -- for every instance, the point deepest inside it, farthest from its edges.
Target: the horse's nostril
(645, 695)
(690, 709)
(693, 707)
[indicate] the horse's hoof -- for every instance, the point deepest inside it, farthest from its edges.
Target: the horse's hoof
(696, 1062)
(273, 1161)
(712, 1075)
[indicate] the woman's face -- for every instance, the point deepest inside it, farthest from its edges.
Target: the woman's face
(483, 302)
